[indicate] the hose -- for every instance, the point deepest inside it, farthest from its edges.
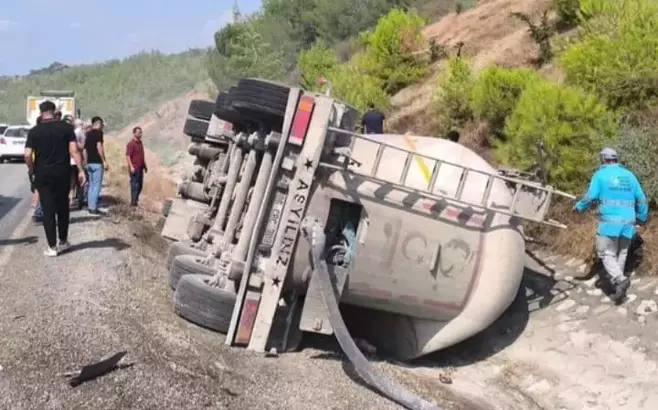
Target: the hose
(364, 369)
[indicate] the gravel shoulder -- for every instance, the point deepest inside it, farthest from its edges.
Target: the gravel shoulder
(109, 293)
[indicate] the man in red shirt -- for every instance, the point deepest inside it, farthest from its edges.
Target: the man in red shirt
(136, 165)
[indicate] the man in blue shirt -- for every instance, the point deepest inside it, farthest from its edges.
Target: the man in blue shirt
(622, 205)
(373, 121)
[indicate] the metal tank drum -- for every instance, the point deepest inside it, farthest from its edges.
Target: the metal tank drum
(433, 266)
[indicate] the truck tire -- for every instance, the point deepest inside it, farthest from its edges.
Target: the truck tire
(201, 109)
(263, 100)
(202, 304)
(181, 248)
(197, 129)
(224, 110)
(187, 265)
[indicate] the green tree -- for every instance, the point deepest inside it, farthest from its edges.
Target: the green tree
(572, 125)
(451, 105)
(496, 92)
(616, 57)
(394, 50)
(318, 61)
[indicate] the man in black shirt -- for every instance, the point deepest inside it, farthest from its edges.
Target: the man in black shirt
(53, 144)
(373, 121)
(95, 163)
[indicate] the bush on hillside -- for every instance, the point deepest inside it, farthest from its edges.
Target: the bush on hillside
(395, 50)
(574, 126)
(541, 33)
(496, 92)
(452, 99)
(638, 149)
(358, 89)
(568, 11)
(617, 58)
(318, 61)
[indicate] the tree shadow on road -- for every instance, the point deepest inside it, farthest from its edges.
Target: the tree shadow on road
(28, 240)
(114, 243)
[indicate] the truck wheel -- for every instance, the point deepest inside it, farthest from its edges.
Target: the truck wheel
(187, 265)
(181, 248)
(202, 304)
(197, 129)
(201, 109)
(263, 100)
(224, 110)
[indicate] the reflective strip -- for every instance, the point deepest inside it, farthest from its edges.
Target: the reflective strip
(618, 202)
(618, 221)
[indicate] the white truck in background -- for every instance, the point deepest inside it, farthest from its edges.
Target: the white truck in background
(64, 101)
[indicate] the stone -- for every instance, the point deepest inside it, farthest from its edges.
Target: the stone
(582, 268)
(630, 298)
(600, 309)
(595, 292)
(622, 311)
(567, 304)
(583, 309)
(646, 307)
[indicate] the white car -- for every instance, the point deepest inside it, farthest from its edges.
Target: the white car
(12, 142)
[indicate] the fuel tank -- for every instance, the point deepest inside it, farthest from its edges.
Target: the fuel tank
(431, 270)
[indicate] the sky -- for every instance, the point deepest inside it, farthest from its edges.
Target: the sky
(87, 31)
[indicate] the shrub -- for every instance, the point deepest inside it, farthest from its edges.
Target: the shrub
(572, 125)
(452, 98)
(358, 89)
(318, 61)
(496, 92)
(638, 149)
(568, 11)
(395, 50)
(349, 83)
(616, 58)
(540, 33)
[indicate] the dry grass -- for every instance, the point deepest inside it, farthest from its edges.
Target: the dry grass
(158, 185)
(578, 239)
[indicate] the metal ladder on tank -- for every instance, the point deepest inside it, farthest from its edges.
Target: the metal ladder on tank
(518, 184)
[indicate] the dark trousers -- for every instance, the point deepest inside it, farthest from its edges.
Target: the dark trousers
(53, 187)
(136, 184)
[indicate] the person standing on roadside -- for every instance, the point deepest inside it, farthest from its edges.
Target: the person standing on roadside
(372, 121)
(622, 205)
(95, 163)
(81, 136)
(48, 151)
(136, 162)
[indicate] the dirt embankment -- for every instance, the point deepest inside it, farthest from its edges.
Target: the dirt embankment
(166, 151)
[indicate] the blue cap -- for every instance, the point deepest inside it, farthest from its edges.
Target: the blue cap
(609, 154)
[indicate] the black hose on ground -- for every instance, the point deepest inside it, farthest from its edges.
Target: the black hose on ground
(364, 369)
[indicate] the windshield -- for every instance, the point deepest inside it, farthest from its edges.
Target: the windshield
(16, 132)
(2, 129)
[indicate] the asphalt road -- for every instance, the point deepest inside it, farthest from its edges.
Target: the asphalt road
(14, 199)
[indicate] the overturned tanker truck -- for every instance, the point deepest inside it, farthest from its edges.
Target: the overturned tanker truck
(420, 233)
